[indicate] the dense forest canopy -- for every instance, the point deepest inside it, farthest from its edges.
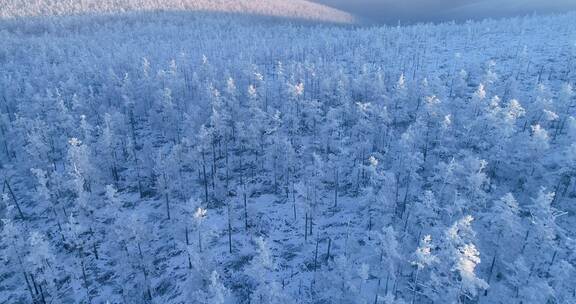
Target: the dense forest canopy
(210, 158)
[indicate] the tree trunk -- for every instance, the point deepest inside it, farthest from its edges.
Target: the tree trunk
(245, 212)
(336, 190)
(316, 255)
(7, 185)
(227, 169)
(490, 272)
(205, 178)
(229, 230)
(414, 293)
(328, 251)
(214, 168)
(306, 228)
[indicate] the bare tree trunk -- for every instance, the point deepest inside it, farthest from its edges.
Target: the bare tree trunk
(7, 185)
(84, 275)
(414, 293)
(25, 277)
(336, 189)
(316, 254)
(294, 200)
(377, 290)
(43, 297)
(166, 195)
(199, 239)
(229, 230)
(227, 169)
(186, 235)
(328, 251)
(490, 272)
(205, 178)
(214, 169)
(245, 210)
(306, 228)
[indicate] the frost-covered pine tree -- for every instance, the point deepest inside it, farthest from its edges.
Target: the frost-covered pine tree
(544, 230)
(40, 262)
(389, 252)
(81, 172)
(215, 293)
(505, 218)
(261, 270)
(454, 278)
(199, 216)
(423, 258)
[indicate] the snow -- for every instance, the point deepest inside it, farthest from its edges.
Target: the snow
(297, 9)
(217, 158)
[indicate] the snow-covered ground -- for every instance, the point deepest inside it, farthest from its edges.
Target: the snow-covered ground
(296, 9)
(170, 157)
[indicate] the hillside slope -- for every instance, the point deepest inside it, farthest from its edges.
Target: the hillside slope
(300, 9)
(497, 8)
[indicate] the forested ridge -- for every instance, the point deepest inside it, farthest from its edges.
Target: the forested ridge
(205, 158)
(297, 9)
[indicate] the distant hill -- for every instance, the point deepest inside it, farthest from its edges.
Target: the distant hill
(300, 9)
(499, 8)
